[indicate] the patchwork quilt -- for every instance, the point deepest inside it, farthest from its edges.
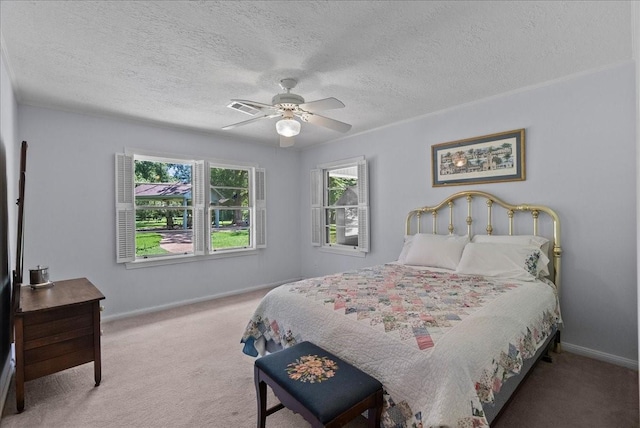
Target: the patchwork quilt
(442, 344)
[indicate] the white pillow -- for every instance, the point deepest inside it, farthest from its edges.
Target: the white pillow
(538, 241)
(402, 258)
(524, 262)
(441, 251)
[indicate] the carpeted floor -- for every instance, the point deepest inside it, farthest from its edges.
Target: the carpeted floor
(184, 368)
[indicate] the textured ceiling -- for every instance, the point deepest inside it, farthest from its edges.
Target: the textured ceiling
(179, 63)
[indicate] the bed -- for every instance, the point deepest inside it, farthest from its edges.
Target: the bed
(451, 327)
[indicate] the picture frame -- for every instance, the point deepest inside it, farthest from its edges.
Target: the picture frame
(486, 159)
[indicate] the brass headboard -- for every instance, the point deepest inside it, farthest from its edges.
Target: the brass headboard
(414, 220)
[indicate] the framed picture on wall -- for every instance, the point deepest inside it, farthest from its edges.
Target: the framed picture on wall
(486, 159)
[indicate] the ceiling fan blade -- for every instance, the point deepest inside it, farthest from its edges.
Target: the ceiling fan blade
(324, 104)
(246, 122)
(255, 104)
(316, 119)
(286, 141)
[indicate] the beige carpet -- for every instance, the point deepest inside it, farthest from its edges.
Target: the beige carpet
(184, 368)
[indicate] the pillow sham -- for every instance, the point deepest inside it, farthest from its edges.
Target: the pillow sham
(408, 240)
(523, 262)
(440, 251)
(539, 241)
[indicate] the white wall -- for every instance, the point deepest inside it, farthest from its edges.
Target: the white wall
(580, 145)
(69, 210)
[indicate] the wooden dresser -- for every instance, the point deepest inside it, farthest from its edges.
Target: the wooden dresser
(55, 329)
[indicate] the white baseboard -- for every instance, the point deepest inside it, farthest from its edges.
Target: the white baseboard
(189, 302)
(599, 355)
(5, 381)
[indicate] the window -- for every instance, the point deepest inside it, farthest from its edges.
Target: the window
(339, 206)
(229, 208)
(164, 211)
(163, 207)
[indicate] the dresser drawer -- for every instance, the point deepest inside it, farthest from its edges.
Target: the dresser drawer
(58, 339)
(34, 370)
(57, 325)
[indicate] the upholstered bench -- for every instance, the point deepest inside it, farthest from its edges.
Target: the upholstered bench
(322, 388)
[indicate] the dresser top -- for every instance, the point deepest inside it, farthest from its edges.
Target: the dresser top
(63, 293)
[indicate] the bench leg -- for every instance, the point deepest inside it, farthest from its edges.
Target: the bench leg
(261, 394)
(374, 414)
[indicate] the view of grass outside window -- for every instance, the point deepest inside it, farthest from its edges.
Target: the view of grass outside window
(176, 209)
(229, 208)
(341, 211)
(163, 208)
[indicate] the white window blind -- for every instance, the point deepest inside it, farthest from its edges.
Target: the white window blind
(261, 208)
(317, 225)
(125, 213)
(199, 213)
(363, 207)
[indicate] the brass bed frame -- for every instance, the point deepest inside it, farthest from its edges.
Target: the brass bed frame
(414, 224)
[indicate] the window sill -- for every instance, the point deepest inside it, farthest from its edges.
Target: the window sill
(342, 251)
(188, 259)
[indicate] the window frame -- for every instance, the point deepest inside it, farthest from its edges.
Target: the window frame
(200, 205)
(320, 206)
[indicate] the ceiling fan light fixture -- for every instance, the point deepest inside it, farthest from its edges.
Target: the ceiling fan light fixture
(288, 127)
(291, 110)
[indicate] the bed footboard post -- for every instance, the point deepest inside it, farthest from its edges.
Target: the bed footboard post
(554, 344)
(557, 346)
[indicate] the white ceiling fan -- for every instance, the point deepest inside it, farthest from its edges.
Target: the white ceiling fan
(288, 107)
